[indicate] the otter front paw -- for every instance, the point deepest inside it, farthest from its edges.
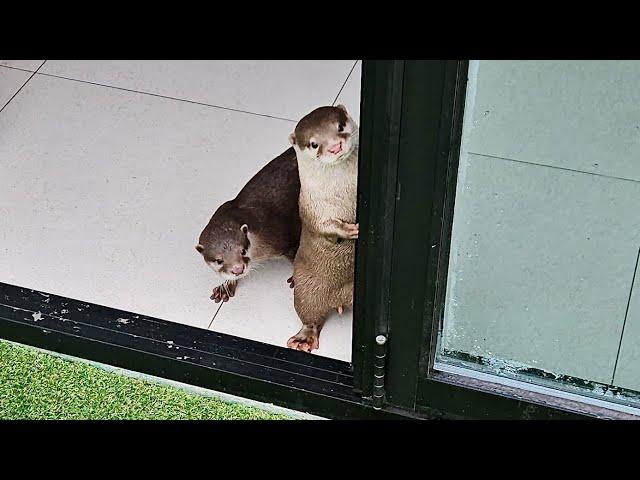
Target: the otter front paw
(306, 340)
(222, 293)
(348, 230)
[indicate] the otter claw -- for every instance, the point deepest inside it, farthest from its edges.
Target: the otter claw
(222, 293)
(305, 340)
(351, 230)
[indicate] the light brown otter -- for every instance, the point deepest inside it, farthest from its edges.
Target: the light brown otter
(262, 222)
(326, 145)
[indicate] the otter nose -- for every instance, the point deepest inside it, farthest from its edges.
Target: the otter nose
(335, 149)
(238, 269)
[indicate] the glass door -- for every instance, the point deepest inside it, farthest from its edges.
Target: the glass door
(545, 234)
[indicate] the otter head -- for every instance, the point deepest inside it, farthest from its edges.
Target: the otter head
(326, 135)
(226, 250)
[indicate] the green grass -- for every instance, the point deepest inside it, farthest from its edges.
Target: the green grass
(35, 385)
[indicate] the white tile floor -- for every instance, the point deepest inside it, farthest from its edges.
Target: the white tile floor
(29, 65)
(106, 183)
(10, 82)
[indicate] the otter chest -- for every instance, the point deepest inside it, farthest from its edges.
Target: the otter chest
(328, 194)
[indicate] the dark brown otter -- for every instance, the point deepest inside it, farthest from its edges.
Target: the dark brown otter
(262, 222)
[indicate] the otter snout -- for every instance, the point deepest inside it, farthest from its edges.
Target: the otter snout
(238, 269)
(335, 149)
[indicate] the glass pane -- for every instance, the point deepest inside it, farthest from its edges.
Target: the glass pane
(545, 230)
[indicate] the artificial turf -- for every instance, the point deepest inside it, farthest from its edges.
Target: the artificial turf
(36, 385)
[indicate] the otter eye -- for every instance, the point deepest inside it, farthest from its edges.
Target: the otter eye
(314, 145)
(243, 252)
(219, 262)
(341, 127)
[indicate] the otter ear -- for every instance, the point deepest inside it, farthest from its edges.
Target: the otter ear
(292, 139)
(199, 248)
(244, 228)
(342, 107)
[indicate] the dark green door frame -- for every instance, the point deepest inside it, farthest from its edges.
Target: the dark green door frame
(411, 114)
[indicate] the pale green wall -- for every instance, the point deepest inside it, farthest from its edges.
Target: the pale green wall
(547, 224)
